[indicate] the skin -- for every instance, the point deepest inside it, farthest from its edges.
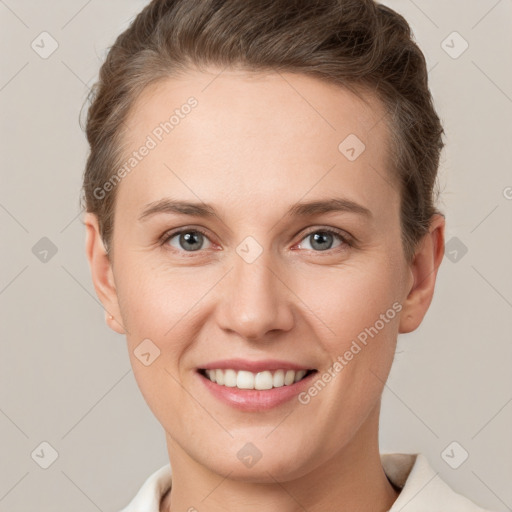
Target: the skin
(253, 147)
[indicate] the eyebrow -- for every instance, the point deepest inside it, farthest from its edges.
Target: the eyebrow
(303, 209)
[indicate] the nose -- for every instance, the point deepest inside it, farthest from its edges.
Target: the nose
(254, 301)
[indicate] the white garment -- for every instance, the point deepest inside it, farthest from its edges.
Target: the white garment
(422, 490)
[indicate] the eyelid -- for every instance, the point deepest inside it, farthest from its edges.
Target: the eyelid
(328, 229)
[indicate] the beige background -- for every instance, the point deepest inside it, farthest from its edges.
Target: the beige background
(66, 379)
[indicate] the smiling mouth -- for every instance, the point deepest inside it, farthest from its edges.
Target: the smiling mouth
(260, 381)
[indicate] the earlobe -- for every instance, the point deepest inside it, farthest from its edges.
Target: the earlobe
(101, 273)
(424, 267)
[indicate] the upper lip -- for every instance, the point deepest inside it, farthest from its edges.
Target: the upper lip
(254, 366)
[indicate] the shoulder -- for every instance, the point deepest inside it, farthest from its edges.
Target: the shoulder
(423, 490)
(151, 492)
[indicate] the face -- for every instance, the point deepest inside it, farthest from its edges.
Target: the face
(289, 258)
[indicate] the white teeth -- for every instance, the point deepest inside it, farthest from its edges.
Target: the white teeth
(229, 378)
(249, 380)
(244, 380)
(278, 379)
(299, 375)
(263, 380)
(289, 377)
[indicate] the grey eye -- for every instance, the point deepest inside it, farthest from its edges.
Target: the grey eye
(188, 240)
(321, 240)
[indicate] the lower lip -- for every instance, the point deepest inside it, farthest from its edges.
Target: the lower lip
(254, 399)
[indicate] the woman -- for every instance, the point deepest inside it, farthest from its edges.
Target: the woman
(229, 141)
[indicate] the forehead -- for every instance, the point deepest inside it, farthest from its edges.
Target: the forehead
(251, 133)
(238, 97)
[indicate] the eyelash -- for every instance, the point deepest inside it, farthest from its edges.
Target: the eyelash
(347, 241)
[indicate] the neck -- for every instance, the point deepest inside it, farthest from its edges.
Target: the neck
(352, 479)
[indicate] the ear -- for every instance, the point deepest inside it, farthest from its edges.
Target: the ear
(101, 272)
(424, 267)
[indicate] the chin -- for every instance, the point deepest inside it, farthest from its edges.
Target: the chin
(280, 465)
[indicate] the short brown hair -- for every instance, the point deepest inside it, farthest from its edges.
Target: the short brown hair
(357, 44)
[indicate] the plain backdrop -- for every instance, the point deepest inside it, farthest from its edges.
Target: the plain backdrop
(65, 378)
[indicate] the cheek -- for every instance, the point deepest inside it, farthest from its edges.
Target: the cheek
(162, 305)
(157, 306)
(347, 300)
(156, 298)
(361, 306)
